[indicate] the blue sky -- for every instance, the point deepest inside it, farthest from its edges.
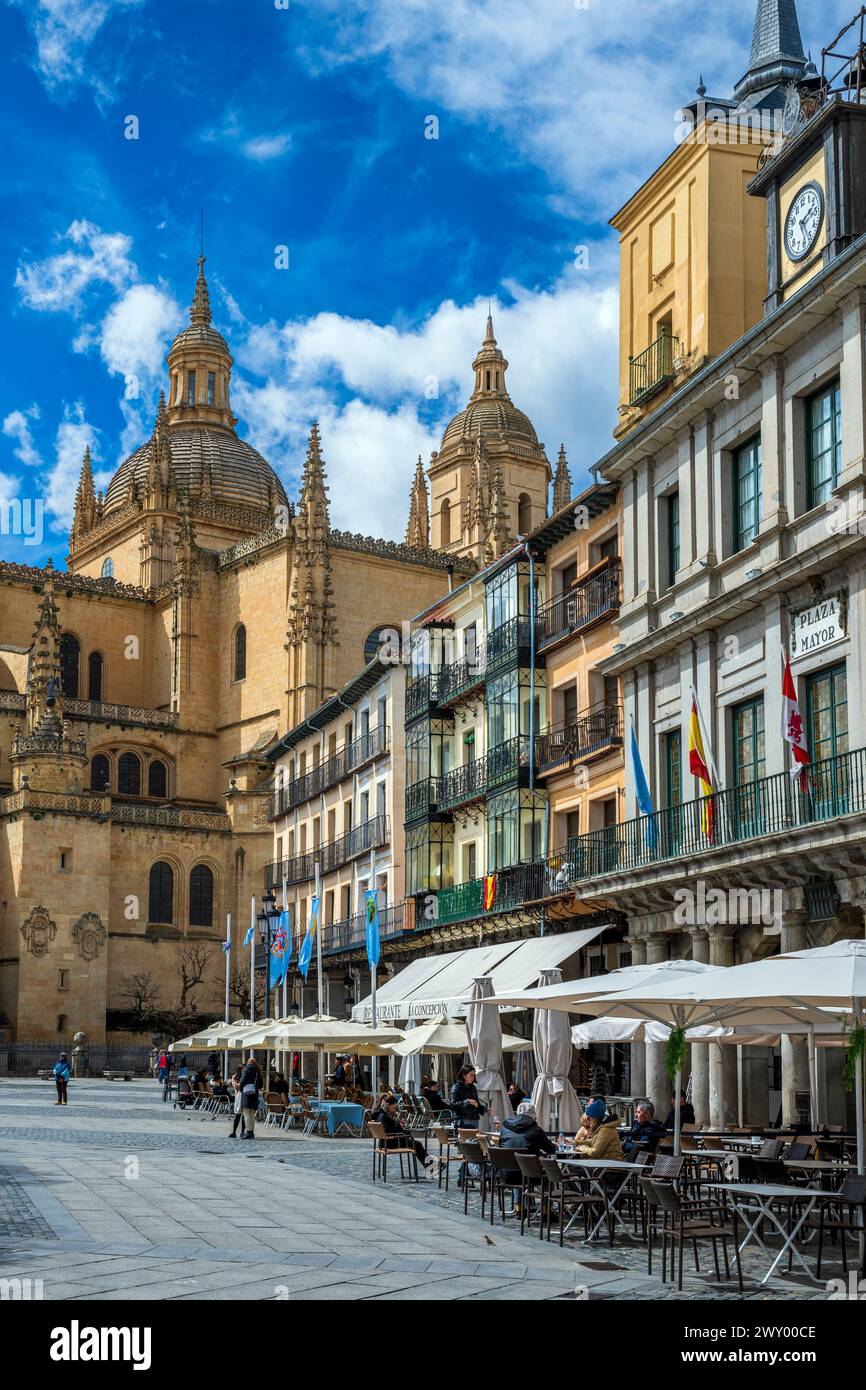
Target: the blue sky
(305, 127)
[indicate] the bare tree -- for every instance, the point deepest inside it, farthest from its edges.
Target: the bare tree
(239, 992)
(193, 960)
(140, 993)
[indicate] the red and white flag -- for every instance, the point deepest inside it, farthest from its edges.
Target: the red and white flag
(792, 721)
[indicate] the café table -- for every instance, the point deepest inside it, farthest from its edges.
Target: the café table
(339, 1113)
(753, 1203)
(595, 1169)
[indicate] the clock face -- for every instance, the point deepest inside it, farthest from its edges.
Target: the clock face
(804, 221)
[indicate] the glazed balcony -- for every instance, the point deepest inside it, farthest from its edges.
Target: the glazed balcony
(835, 789)
(653, 369)
(590, 735)
(596, 599)
(461, 678)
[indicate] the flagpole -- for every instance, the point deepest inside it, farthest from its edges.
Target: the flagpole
(286, 967)
(319, 980)
(228, 979)
(252, 959)
(373, 968)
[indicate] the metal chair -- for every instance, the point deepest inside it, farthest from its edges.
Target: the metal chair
(532, 1179)
(690, 1221)
(473, 1153)
(384, 1146)
(503, 1164)
(852, 1202)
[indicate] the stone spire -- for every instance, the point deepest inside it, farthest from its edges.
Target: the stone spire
(561, 482)
(489, 367)
(312, 628)
(43, 673)
(200, 308)
(160, 474)
(47, 757)
(84, 515)
(777, 56)
(418, 530)
(499, 521)
(312, 522)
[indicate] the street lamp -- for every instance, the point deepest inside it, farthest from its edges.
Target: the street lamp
(267, 922)
(348, 993)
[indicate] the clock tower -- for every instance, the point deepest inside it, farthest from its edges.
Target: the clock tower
(812, 172)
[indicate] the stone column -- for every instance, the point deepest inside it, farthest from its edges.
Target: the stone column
(723, 1060)
(795, 1049)
(637, 1053)
(657, 1084)
(701, 1051)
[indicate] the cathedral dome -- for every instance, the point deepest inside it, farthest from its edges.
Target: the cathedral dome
(204, 462)
(490, 414)
(200, 335)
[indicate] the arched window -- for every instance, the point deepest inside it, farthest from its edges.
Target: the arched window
(201, 897)
(161, 895)
(381, 639)
(108, 569)
(70, 658)
(240, 653)
(129, 775)
(445, 522)
(100, 773)
(157, 779)
(524, 514)
(94, 676)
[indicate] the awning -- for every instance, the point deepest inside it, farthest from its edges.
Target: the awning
(443, 984)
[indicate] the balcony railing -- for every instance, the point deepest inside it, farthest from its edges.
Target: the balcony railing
(505, 643)
(460, 677)
(652, 369)
(462, 784)
(331, 855)
(420, 696)
(598, 597)
(588, 735)
(330, 771)
(506, 761)
(834, 787)
(516, 886)
(350, 934)
(420, 797)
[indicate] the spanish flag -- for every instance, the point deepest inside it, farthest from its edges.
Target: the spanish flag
(699, 766)
(489, 891)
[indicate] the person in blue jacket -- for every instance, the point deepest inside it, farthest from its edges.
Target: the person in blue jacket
(61, 1078)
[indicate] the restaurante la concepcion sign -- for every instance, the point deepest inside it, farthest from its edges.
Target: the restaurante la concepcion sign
(819, 625)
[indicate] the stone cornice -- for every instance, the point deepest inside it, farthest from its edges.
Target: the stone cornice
(67, 581)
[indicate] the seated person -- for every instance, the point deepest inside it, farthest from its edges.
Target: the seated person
(431, 1093)
(646, 1131)
(602, 1134)
(687, 1112)
(340, 1073)
(522, 1131)
(278, 1083)
(199, 1080)
(516, 1096)
(386, 1115)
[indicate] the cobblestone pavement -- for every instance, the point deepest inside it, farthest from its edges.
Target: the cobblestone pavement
(120, 1196)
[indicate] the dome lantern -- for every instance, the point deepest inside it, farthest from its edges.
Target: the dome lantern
(200, 364)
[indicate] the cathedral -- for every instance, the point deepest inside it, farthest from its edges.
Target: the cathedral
(201, 616)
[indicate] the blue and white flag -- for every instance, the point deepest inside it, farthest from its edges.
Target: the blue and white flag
(227, 945)
(249, 936)
(644, 800)
(306, 952)
(281, 950)
(372, 914)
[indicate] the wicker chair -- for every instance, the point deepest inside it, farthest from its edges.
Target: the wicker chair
(687, 1220)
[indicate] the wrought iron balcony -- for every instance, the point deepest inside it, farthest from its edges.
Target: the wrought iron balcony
(461, 677)
(330, 771)
(587, 736)
(507, 643)
(514, 887)
(652, 369)
(590, 602)
(835, 787)
(421, 696)
(333, 854)
(350, 934)
(420, 798)
(507, 761)
(462, 784)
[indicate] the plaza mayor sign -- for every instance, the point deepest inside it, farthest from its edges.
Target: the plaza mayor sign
(820, 625)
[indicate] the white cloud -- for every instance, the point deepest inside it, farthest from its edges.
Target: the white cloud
(586, 92)
(65, 32)
(93, 257)
(17, 426)
(561, 344)
(73, 436)
(262, 148)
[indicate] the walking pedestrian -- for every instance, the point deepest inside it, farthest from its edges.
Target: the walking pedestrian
(251, 1085)
(162, 1066)
(213, 1064)
(182, 1068)
(61, 1078)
